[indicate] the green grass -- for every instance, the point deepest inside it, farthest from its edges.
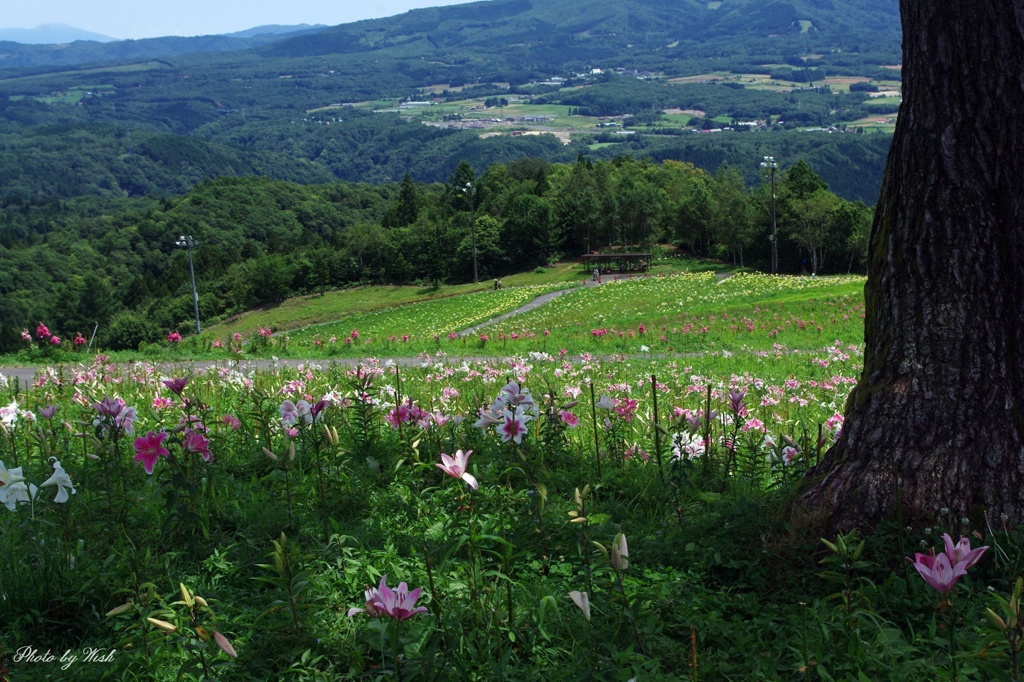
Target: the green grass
(304, 311)
(696, 312)
(419, 323)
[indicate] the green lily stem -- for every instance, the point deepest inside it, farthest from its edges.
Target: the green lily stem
(629, 611)
(394, 650)
(951, 626)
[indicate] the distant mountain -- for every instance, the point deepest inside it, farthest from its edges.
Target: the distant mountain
(21, 54)
(51, 34)
(518, 28)
(275, 29)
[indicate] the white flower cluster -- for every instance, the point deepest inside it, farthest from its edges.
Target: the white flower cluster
(9, 414)
(15, 489)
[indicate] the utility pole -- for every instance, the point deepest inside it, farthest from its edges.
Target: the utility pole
(189, 243)
(769, 163)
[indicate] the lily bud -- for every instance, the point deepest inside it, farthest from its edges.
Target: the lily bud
(186, 596)
(201, 601)
(269, 454)
(620, 553)
(224, 644)
(582, 600)
(996, 620)
(571, 404)
(162, 624)
(118, 610)
(291, 452)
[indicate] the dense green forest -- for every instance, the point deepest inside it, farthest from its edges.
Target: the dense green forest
(69, 159)
(88, 261)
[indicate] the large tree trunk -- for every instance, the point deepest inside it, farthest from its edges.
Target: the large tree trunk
(937, 419)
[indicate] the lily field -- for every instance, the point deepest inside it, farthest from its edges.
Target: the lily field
(597, 489)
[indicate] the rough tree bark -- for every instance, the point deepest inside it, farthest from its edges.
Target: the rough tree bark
(941, 399)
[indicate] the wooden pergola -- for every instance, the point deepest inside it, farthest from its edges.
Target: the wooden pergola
(624, 262)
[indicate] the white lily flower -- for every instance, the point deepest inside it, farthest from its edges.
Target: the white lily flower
(9, 414)
(63, 482)
(12, 494)
(12, 487)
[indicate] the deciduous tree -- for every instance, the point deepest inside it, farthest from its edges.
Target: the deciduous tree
(937, 418)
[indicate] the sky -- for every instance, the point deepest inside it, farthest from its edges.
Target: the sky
(148, 18)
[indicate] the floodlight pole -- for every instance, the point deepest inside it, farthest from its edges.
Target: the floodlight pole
(769, 163)
(188, 242)
(470, 190)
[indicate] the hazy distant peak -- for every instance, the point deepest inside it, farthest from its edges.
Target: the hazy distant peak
(274, 29)
(51, 34)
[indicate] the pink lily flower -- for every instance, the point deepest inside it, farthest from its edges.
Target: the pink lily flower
(514, 425)
(456, 467)
(961, 553)
(943, 570)
(937, 571)
(398, 603)
(487, 418)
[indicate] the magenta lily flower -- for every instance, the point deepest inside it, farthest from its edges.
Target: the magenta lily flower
(109, 407)
(197, 443)
(176, 385)
(150, 447)
(456, 467)
(570, 420)
(399, 603)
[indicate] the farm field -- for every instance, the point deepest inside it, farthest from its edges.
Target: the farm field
(613, 513)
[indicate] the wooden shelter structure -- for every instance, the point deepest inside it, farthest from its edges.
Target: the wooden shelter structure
(617, 262)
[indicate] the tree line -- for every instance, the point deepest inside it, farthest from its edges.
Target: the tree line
(86, 261)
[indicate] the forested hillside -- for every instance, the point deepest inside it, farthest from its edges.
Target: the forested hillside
(78, 263)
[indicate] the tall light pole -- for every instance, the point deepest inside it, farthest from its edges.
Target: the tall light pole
(469, 191)
(769, 163)
(188, 242)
